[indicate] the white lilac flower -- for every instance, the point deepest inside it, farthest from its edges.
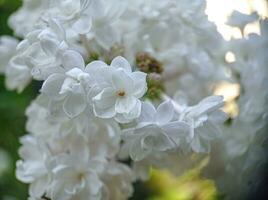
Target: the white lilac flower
(156, 131)
(76, 176)
(73, 14)
(102, 135)
(32, 168)
(120, 93)
(37, 56)
(7, 49)
(69, 87)
(117, 180)
(105, 14)
(240, 20)
(18, 75)
(42, 50)
(26, 17)
(38, 120)
(204, 120)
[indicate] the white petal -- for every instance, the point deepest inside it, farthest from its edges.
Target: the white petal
(95, 65)
(57, 28)
(200, 145)
(72, 59)
(104, 39)
(125, 104)
(38, 187)
(83, 24)
(97, 8)
(176, 127)
(208, 105)
(67, 85)
(94, 183)
(106, 98)
(176, 130)
(148, 112)
(49, 46)
(52, 86)
(158, 141)
(128, 117)
(209, 131)
(104, 103)
(165, 113)
(136, 152)
(104, 113)
(218, 116)
(74, 104)
(122, 81)
(120, 62)
(140, 85)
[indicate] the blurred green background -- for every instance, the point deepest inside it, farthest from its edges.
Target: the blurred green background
(12, 121)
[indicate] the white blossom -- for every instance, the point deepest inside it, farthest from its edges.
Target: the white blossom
(25, 18)
(240, 20)
(76, 176)
(68, 88)
(120, 92)
(73, 14)
(204, 120)
(37, 56)
(156, 131)
(32, 169)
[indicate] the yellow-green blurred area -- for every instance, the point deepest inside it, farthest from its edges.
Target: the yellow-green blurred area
(189, 186)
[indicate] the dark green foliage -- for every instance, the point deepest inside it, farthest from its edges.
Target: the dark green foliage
(12, 118)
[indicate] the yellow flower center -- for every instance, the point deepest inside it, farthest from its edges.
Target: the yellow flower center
(121, 93)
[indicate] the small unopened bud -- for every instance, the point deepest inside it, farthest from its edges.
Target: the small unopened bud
(146, 63)
(155, 86)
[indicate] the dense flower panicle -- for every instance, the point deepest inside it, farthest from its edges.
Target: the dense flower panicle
(108, 69)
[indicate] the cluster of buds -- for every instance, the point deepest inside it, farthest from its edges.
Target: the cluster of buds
(154, 68)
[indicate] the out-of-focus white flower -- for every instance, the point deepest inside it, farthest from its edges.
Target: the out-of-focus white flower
(7, 50)
(105, 14)
(204, 120)
(117, 180)
(76, 176)
(24, 19)
(32, 168)
(39, 121)
(156, 131)
(18, 75)
(73, 14)
(240, 20)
